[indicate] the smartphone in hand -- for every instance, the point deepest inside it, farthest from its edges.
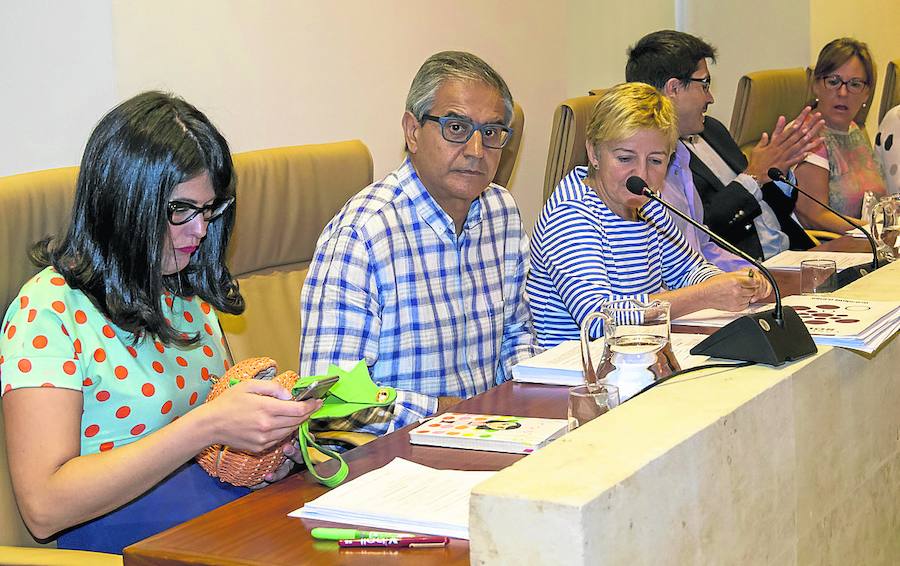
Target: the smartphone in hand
(316, 389)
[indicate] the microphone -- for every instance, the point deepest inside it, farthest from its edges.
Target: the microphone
(851, 273)
(770, 337)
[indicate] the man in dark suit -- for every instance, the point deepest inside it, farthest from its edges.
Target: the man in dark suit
(739, 201)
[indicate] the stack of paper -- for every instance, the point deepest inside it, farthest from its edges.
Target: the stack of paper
(790, 259)
(832, 321)
(561, 365)
(401, 496)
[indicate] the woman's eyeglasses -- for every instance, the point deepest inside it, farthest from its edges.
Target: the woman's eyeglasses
(834, 82)
(180, 212)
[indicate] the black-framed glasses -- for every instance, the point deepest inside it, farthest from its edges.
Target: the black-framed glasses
(704, 83)
(835, 82)
(180, 212)
(460, 130)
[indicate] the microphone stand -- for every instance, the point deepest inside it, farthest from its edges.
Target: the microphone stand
(770, 337)
(849, 274)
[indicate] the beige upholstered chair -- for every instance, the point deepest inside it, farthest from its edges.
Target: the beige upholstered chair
(285, 197)
(890, 93)
(511, 151)
(32, 206)
(762, 97)
(567, 139)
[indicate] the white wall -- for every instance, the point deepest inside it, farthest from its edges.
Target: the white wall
(56, 80)
(600, 34)
(285, 72)
(876, 22)
(750, 36)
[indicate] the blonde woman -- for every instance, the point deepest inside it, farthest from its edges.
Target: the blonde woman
(596, 241)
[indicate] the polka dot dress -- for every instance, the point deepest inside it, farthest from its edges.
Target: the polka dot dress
(53, 336)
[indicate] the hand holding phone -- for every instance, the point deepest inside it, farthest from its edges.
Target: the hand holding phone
(317, 389)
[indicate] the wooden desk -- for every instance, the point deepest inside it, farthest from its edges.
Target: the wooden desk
(256, 529)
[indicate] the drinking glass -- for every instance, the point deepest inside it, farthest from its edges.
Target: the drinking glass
(817, 276)
(589, 401)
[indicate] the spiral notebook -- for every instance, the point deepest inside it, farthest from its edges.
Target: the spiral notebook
(494, 433)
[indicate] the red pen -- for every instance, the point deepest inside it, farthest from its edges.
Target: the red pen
(407, 542)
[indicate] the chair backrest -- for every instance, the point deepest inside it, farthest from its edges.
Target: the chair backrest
(32, 206)
(762, 97)
(890, 93)
(511, 151)
(285, 197)
(567, 138)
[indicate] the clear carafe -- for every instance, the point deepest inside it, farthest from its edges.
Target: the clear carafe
(636, 347)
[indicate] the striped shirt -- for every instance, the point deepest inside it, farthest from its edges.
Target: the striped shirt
(583, 254)
(432, 312)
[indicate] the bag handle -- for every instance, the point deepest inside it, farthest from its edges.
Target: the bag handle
(306, 440)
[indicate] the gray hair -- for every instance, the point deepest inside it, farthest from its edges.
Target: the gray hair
(453, 65)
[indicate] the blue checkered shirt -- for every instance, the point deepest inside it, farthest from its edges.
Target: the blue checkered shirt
(432, 312)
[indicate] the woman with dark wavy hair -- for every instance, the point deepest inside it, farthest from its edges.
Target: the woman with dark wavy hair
(108, 353)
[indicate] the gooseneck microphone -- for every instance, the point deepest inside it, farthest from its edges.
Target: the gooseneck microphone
(771, 336)
(855, 272)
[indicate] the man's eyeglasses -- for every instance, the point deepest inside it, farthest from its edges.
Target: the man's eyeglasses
(180, 212)
(834, 82)
(460, 130)
(704, 82)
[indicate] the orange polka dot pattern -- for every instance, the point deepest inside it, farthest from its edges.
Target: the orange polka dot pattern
(53, 336)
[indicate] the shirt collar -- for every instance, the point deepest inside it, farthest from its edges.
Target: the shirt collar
(682, 156)
(429, 209)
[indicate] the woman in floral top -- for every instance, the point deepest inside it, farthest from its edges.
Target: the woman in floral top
(843, 168)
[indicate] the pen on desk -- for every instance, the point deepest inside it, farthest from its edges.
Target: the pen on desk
(409, 542)
(326, 533)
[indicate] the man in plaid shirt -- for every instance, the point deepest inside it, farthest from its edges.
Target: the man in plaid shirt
(422, 273)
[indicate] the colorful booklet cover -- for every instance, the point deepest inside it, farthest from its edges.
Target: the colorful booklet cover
(495, 433)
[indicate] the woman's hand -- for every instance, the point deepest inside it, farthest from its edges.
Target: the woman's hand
(788, 145)
(291, 449)
(735, 291)
(255, 415)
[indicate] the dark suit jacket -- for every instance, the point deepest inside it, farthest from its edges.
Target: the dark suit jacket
(729, 210)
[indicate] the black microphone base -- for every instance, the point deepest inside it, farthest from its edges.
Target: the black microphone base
(758, 338)
(850, 274)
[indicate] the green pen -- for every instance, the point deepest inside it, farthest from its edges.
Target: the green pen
(325, 533)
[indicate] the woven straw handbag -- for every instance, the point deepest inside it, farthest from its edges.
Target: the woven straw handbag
(353, 392)
(236, 466)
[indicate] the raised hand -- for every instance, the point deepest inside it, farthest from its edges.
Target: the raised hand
(788, 144)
